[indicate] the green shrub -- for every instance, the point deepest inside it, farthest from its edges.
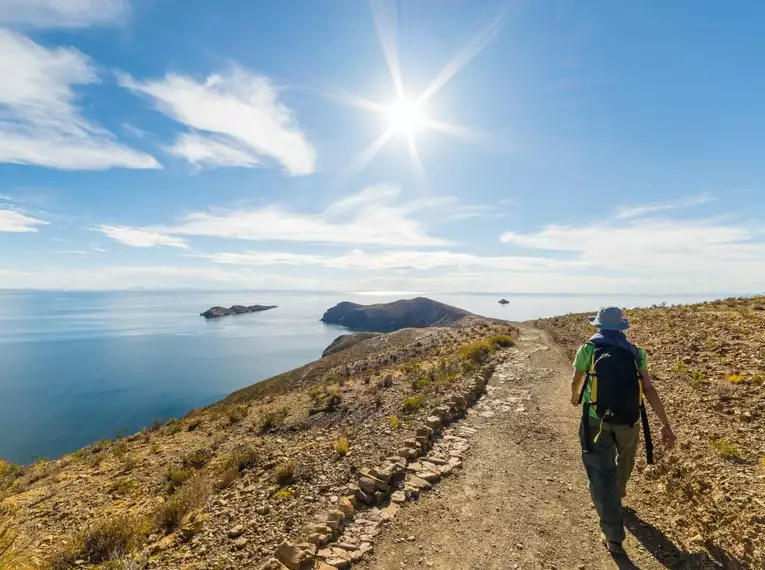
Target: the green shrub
(122, 486)
(283, 494)
(413, 404)
(726, 449)
(420, 383)
(393, 421)
(175, 477)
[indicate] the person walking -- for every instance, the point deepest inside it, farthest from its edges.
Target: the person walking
(611, 381)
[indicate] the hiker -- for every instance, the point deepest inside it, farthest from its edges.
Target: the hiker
(611, 380)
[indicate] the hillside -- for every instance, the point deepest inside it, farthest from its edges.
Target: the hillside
(387, 317)
(708, 360)
(225, 485)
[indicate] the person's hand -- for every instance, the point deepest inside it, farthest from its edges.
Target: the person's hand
(668, 437)
(575, 399)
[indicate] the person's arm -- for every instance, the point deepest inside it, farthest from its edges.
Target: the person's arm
(650, 393)
(576, 386)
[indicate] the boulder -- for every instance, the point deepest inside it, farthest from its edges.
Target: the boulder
(294, 557)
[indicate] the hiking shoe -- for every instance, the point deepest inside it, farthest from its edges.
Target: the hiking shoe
(612, 546)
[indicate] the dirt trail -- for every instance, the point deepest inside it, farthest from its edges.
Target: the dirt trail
(521, 500)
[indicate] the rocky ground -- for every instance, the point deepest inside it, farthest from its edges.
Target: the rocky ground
(367, 458)
(708, 361)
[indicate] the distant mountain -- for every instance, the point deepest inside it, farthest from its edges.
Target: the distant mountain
(388, 317)
(216, 312)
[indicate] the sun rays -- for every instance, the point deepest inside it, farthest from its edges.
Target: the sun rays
(407, 117)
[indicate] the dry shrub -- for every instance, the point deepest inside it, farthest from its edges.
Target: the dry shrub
(285, 473)
(191, 496)
(110, 538)
(197, 459)
(242, 457)
(236, 413)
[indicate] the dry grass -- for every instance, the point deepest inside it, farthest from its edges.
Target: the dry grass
(478, 351)
(110, 538)
(285, 473)
(12, 556)
(191, 496)
(393, 421)
(341, 446)
(197, 459)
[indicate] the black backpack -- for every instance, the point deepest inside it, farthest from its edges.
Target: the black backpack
(615, 387)
(616, 392)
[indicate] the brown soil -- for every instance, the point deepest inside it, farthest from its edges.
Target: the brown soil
(521, 500)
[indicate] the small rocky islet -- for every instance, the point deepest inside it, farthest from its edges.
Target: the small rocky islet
(217, 312)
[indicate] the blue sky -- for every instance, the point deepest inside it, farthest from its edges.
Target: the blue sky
(415, 146)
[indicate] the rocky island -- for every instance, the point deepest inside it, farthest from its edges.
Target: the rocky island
(503, 302)
(216, 312)
(420, 312)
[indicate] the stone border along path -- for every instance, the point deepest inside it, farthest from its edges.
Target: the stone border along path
(346, 533)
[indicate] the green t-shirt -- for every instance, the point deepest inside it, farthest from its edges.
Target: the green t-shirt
(582, 362)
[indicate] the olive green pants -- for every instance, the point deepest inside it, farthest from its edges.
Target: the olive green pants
(609, 462)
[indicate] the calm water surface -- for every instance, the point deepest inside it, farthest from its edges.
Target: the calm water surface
(76, 367)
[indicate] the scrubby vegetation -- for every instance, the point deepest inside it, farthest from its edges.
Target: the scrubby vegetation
(479, 351)
(192, 495)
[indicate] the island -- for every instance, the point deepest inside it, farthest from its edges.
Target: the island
(216, 312)
(420, 312)
(504, 302)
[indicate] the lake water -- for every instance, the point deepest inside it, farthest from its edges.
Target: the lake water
(76, 367)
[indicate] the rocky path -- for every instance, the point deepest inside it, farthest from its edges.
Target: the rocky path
(521, 500)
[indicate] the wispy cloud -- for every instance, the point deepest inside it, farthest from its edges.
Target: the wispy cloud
(390, 260)
(41, 124)
(375, 216)
(707, 254)
(62, 13)
(239, 105)
(13, 220)
(204, 150)
(137, 237)
(626, 212)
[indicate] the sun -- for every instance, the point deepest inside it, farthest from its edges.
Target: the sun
(406, 117)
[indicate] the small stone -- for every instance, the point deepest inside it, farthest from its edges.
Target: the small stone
(398, 497)
(411, 538)
(240, 542)
(236, 531)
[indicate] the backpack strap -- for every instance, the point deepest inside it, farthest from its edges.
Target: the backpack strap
(646, 435)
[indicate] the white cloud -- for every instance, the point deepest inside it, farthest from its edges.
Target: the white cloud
(212, 151)
(392, 260)
(239, 105)
(375, 216)
(62, 13)
(639, 211)
(707, 254)
(12, 220)
(40, 123)
(140, 238)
